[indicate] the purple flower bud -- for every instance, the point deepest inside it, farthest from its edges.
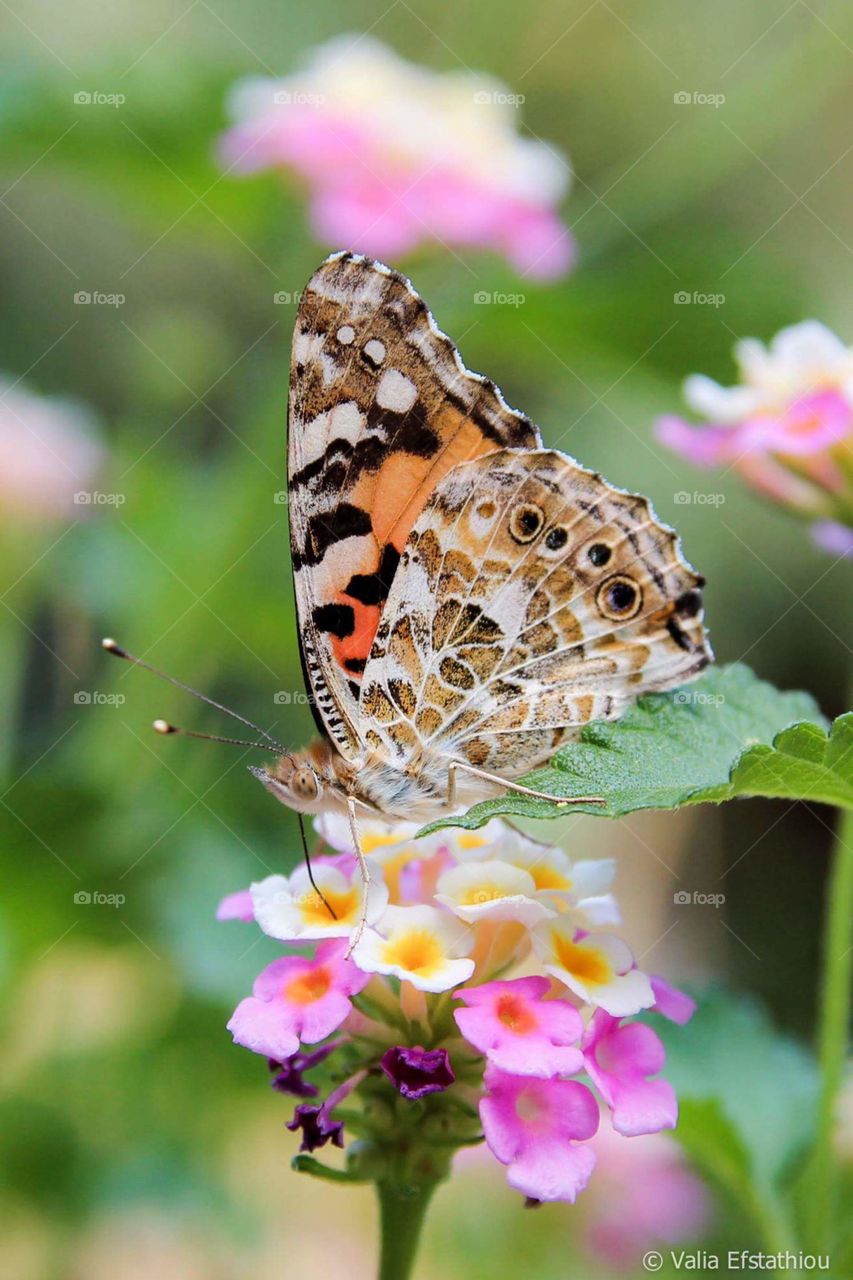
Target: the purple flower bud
(289, 1077)
(416, 1072)
(317, 1128)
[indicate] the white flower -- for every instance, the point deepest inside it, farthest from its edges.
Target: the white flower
(598, 967)
(492, 891)
(420, 944)
(387, 841)
(562, 883)
(800, 360)
(287, 907)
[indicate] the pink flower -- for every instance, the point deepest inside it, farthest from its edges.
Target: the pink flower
(786, 428)
(48, 456)
(809, 424)
(618, 1060)
(643, 1196)
(295, 999)
(518, 1030)
(833, 537)
(394, 155)
(671, 1003)
(535, 1128)
(236, 906)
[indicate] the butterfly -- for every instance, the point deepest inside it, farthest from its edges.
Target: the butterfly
(467, 599)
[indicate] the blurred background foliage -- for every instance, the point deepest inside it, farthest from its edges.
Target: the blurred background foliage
(134, 1139)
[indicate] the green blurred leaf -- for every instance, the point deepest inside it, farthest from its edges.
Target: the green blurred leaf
(707, 742)
(748, 1095)
(713, 1143)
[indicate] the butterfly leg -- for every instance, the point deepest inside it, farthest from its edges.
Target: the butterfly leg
(365, 874)
(510, 786)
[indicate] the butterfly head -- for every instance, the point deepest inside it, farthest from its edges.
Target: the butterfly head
(306, 781)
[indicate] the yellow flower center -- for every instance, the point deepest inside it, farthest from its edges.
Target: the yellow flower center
(482, 892)
(308, 987)
(372, 840)
(469, 841)
(417, 951)
(515, 1015)
(545, 877)
(582, 961)
(344, 903)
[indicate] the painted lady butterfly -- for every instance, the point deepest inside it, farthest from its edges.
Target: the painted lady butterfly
(467, 599)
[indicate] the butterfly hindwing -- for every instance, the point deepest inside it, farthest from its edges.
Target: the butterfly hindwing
(532, 597)
(381, 409)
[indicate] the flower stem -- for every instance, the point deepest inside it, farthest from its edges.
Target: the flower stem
(401, 1215)
(822, 1178)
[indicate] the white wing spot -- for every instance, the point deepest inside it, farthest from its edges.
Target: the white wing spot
(396, 392)
(346, 422)
(346, 333)
(375, 350)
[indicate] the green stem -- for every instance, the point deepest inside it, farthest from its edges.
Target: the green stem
(823, 1173)
(401, 1216)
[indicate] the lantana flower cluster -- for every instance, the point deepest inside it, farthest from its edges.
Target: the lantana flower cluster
(395, 155)
(489, 994)
(786, 428)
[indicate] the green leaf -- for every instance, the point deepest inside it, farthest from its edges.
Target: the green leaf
(714, 1145)
(804, 763)
(710, 741)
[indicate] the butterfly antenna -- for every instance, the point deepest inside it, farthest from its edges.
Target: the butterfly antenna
(164, 726)
(117, 652)
(307, 856)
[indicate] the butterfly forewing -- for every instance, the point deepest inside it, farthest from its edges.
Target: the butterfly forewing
(381, 409)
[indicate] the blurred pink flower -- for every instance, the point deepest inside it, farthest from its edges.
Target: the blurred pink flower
(48, 456)
(619, 1060)
(536, 1128)
(518, 1030)
(833, 537)
(787, 428)
(236, 906)
(297, 999)
(395, 154)
(643, 1196)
